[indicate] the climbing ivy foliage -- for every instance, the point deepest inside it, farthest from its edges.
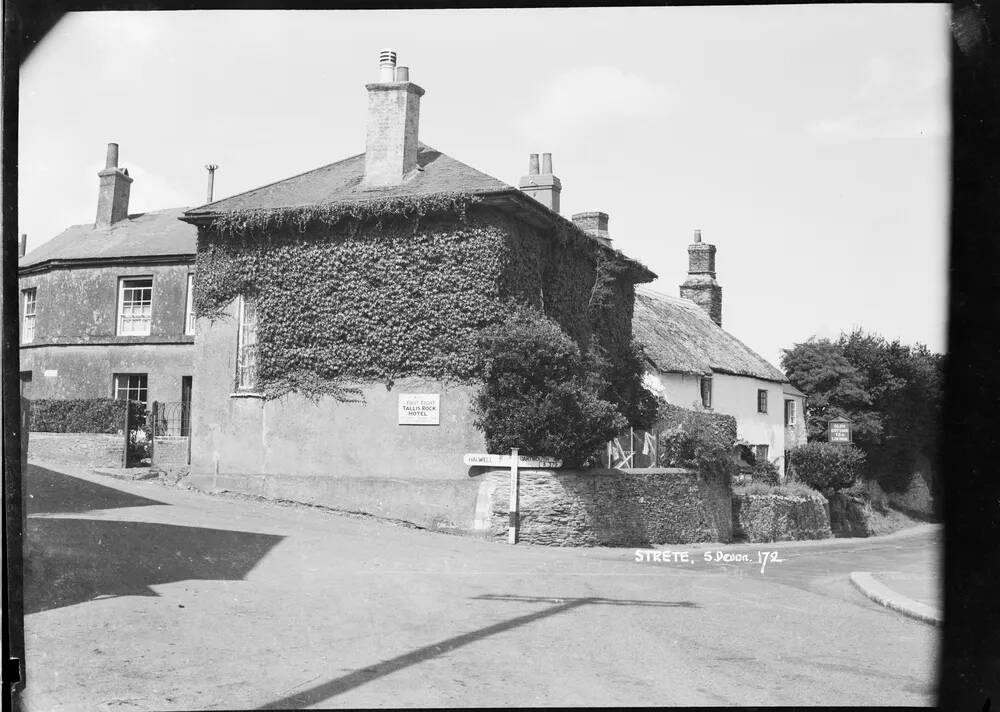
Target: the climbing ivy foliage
(373, 291)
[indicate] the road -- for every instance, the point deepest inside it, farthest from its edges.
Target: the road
(141, 596)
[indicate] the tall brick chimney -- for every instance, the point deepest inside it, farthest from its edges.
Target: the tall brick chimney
(542, 186)
(594, 224)
(700, 286)
(393, 120)
(112, 199)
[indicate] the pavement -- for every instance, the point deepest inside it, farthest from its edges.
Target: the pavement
(140, 596)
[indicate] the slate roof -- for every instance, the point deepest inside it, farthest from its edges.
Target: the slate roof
(155, 233)
(341, 181)
(680, 337)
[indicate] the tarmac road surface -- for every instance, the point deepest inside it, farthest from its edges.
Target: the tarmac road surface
(141, 596)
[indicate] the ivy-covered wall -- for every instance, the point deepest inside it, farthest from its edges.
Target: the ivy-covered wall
(366, 296)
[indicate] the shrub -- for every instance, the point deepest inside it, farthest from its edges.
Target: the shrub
(827, 466)
(540, 393)
(81, 415)
(703, 441)
(765, 472)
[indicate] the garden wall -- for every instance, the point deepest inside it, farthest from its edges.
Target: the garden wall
(87, 449)
(777, 517)
(607, 507)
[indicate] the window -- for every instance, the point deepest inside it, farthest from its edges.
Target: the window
(189, 322)
(760, 453)
(246, 347)
(131, 386)
(28, 325)
(761, 401)
(706, 391)
(789, 412)
(135, 306)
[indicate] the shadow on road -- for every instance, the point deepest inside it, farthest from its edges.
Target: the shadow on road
(340, 685)
(48, 491)
(74, 560)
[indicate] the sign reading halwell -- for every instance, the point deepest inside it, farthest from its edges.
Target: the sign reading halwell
(487, 460)
(419, 409)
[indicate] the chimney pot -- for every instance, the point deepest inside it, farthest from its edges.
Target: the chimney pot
(387, 66)
(23, 246)
(697, 235)
(402, 74)
(211, 168)
(533, 164)
(547, 163)
(112, 159)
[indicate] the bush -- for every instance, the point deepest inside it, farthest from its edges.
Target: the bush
(540, 393)
(765, 472)
(81, 415)
(694, 439)
(827, 466)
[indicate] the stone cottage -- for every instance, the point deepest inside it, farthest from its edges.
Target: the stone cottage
(337, 313)
(105, 308)
(694, 363)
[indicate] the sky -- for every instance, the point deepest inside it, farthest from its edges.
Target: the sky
(808, 143)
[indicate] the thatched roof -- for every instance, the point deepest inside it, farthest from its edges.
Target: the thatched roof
(679, 337)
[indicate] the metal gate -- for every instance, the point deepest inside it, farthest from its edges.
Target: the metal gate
(170, 423)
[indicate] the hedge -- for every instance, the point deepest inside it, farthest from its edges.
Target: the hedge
(827, 466)
(696, 439)
(81, 415)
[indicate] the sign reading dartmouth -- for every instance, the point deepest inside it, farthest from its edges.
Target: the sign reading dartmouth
(486, 460)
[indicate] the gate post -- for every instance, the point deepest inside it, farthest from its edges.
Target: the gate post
(128, 412)
(152, 435)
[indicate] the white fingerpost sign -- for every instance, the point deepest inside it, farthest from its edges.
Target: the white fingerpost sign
(419, 409)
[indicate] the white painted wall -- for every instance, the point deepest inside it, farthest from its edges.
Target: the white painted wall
(735, 396)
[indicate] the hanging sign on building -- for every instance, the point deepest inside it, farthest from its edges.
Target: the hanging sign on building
(839, 430)
(419, 408)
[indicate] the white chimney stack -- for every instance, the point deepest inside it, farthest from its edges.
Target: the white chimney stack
(393, 123)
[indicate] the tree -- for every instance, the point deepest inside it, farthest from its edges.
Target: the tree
(892, 392)
(834, 387)
(540, 394)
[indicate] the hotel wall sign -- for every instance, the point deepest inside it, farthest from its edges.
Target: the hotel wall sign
(419, 408)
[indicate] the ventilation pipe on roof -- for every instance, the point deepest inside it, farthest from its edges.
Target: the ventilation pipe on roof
(542, 185)
(393, 122)
(115, 184)
(211, 168)
(700, 286)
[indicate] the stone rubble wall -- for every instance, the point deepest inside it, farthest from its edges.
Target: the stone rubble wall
(776, 517)
(609, 507)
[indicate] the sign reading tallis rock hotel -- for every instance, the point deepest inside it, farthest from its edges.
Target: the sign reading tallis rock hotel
(419, 409)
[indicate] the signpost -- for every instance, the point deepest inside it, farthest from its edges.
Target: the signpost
(513, 461)
(838, 430)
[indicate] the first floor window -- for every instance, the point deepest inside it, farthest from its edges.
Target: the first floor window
(28, 324)
(762, 401)
(789, 412)
(135, 306)
(131, 386)
(246, 346)
(189, 322)
(706, 391)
